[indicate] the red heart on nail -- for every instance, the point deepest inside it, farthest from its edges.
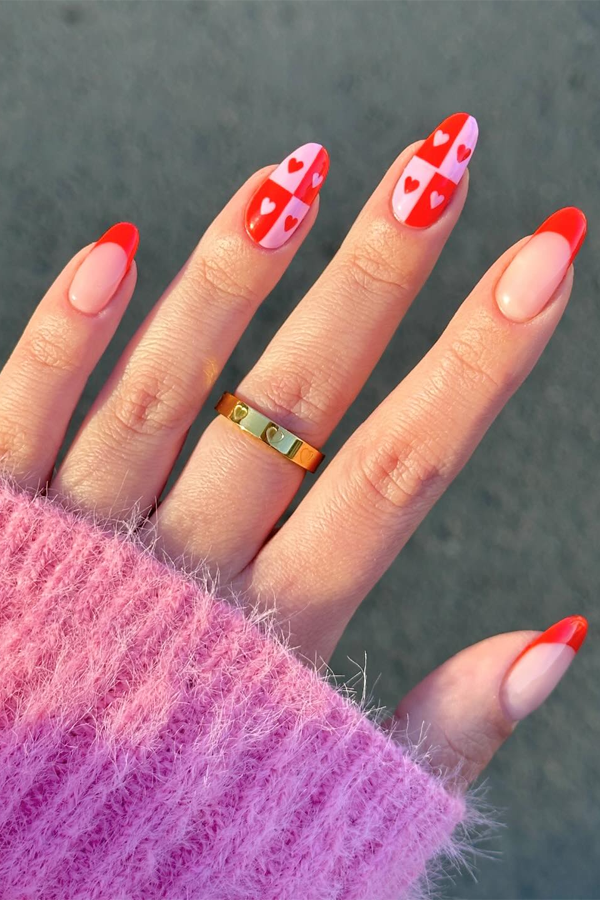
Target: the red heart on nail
(294, 165)
(463, 152)
(289, 223)
(410, 184)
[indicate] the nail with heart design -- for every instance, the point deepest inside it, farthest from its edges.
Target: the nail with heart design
(283, 200)
(430, 178)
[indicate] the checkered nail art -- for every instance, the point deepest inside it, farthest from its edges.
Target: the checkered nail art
(430, 177)
(283, 200)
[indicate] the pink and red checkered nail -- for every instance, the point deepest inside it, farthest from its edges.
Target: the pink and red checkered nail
(283, 200)
(431, 176)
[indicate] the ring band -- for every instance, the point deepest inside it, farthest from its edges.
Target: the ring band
(269, 432)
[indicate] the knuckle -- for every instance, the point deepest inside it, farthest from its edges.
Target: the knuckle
(50, 348)
(151, 400)
(299, 400)
(371, 269)
(399, 472)
(470, 364)
(216, 275)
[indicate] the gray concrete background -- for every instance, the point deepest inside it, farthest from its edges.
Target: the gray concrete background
(155, 112)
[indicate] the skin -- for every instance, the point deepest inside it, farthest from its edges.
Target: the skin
(364, 507)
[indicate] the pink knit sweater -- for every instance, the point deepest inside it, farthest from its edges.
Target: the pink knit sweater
(156, 742)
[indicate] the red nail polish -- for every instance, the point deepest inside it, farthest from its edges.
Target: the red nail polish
(126, 236)
(571, 223)
(540, 666)
(430, 178)
(571, 631)
(104, 268)
(284, 199)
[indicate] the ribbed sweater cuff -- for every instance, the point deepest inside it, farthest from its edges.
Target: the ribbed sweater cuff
(157, 743)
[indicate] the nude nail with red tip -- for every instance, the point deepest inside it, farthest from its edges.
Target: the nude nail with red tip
(539, 267)
(540, 666)
(104, 268)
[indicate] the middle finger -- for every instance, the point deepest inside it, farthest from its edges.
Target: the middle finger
(318, 361)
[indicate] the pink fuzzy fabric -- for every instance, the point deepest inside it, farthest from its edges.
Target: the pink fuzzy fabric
(156, 743)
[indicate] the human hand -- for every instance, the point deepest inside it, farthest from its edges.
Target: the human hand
(222, 510)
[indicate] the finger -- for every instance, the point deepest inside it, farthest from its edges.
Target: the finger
(47, 371)
(461, 714)
(128, 443)
(352, 524)
(319, 360)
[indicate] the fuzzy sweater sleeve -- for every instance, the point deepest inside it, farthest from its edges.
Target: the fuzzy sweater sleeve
(156, 742)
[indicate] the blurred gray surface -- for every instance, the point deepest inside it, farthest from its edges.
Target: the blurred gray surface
(156, 112)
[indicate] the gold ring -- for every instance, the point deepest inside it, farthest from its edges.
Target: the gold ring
(277, 437)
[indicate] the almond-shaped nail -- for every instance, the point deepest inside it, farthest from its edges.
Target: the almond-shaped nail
(102, 271)
(430, 178)
(283, 200)
(540, 666)
(539, 267)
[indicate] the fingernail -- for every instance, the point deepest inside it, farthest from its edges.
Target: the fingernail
(283, 200)
(104, 268)
(541, 665)
(430, 177)
(539, 267)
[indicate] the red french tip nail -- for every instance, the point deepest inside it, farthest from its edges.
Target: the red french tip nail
(571, 631)
(571, 223)
(126, 235)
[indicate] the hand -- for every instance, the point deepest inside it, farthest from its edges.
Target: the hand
(372, 496)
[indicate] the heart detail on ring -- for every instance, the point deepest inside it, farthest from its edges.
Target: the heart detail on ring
(410, 184)
(436, 199)
(440, 137)
(267, 206)
(294, 165)
(290, 222)
(239, 412)
(273, 434)
(463, 152)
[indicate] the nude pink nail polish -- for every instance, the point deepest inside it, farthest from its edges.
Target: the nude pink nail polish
(104, 268)
(538, 669)
(539, 267)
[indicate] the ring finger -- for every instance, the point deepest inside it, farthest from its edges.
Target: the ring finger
(320, 358)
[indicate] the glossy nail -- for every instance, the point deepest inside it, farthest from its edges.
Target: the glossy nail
(283, 200)
(430, 177)
(539, 267)
(104, 268)
(541, 665)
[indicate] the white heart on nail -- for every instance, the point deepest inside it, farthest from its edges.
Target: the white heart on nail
(435, 199)
(266, 207)
(439, 138)
(316, 179)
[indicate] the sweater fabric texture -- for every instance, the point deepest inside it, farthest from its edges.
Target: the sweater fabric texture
(157, 741)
